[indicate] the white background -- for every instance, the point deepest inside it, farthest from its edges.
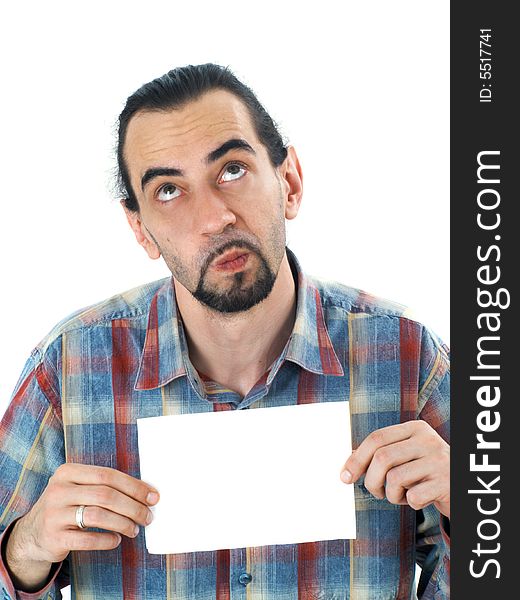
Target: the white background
(360, 89)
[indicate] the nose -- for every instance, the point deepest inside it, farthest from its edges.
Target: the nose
(212, 212)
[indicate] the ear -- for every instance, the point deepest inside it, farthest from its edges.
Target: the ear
(142, 235)
(292, 180)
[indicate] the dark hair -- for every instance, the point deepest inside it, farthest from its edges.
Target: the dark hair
(180, 86)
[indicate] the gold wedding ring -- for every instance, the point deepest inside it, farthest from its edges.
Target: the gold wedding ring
(79, 517)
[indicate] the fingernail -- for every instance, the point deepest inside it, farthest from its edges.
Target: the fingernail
(346, 477)
(149, 518)
(152, 498)
(136, 529)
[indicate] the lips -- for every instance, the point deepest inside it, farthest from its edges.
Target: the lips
(230, 256)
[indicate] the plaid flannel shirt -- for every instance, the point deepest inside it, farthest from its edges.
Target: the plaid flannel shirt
(87, 382)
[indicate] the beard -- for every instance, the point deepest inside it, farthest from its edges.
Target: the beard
(236, 298)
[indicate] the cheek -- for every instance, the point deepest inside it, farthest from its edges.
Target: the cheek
(263, 202)
(164, 228)
(179, 250)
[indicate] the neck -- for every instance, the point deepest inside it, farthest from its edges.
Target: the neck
(236, 349)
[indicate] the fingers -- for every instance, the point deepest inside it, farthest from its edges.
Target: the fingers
(383, 461)
(422, 494)
(91, 540)
(108, 489)
(408, 463)
(108, 498)
(113, 501)
(400, 480)
(358, 462)
(101, 518)
(105, 476)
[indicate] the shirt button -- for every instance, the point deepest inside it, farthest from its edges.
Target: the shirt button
(245, 578)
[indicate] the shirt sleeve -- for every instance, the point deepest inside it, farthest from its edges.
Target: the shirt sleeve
(31, 449)
(432, 533)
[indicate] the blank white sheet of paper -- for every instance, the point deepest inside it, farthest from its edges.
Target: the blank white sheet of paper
(253, 477)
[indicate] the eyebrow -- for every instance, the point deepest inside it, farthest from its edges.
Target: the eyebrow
(159, 172)
(226, 147)
(213, 156)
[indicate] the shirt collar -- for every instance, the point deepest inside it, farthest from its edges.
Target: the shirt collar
(165, 352)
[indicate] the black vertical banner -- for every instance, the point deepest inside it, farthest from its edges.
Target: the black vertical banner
(485, 251)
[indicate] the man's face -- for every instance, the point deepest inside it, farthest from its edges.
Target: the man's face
(208, 192)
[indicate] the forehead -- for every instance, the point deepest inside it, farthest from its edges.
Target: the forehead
(188, 132)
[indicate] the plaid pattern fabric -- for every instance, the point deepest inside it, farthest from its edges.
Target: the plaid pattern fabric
(98, 371)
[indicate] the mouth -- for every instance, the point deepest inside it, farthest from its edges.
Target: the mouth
(232, 260)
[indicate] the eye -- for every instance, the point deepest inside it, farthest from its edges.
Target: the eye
(233, 171)
(168, 192)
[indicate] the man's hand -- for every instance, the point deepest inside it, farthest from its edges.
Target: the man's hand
(408, 463)
(48, 532)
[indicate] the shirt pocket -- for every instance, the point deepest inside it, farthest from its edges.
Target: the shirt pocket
(364, 497)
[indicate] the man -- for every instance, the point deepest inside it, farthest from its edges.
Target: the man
(208, 184)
